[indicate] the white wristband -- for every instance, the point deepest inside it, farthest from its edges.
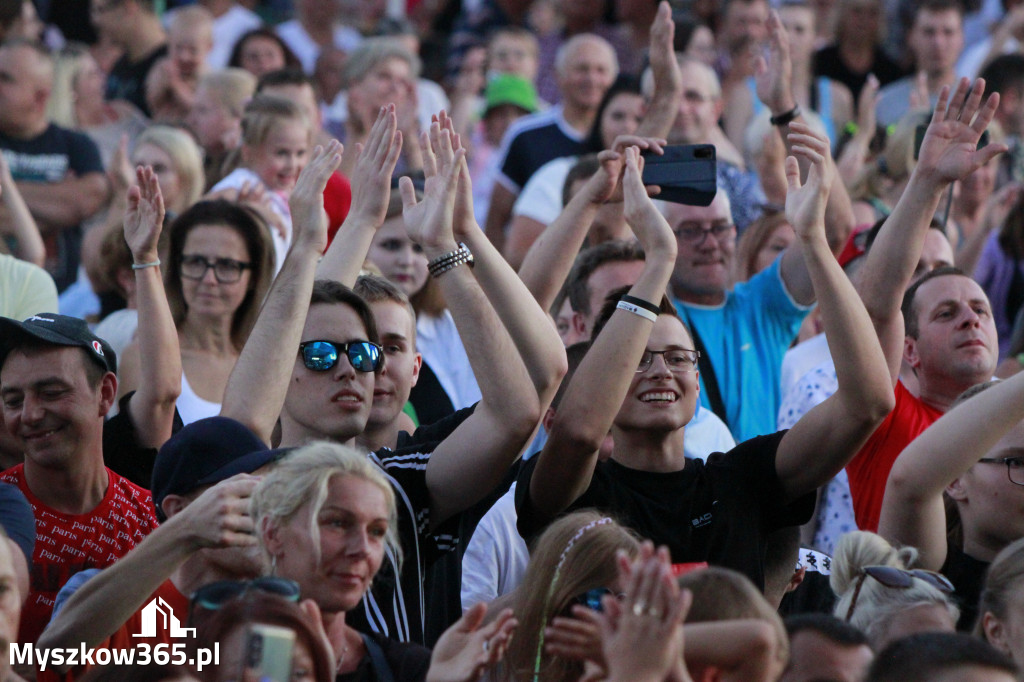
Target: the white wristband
(637, 310)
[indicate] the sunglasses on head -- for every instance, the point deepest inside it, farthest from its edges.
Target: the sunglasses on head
(321, 356)
(215, 595)
(901, 579)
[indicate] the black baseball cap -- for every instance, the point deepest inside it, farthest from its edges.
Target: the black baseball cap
(203, 453)
(56, 330)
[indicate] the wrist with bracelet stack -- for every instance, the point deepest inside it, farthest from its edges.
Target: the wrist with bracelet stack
(451, 260)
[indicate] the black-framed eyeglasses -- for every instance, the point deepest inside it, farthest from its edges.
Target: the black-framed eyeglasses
(321, 355)
(678, 360)
(899, 578)
(1014, 467)
(226, 270)
(592, 598)
(695, 233)
(216, 595)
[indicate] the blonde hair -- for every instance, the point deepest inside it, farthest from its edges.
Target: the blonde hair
(193, 20)
(1005, 578)
(575, 554)
(303, 477)
(373, 51)
(876, 603)
(264, 112)
(60, 107)
(895, 163)
(724, 594)
(231, 87)
(184, 153)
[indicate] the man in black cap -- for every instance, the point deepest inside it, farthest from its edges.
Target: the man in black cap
(57, 382)
(202, 482)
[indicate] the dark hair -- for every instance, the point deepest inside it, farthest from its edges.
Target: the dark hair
(378, 289)
(624, 83)
(584, 167)
(330, 292)
(285, 76)
(920, 657)
(686, 26)
(590, 259)
(290, 60)
(256, 235)
(1004, 72)
(261, 607)
(10, 11)
(830, 627)
(909, 314)
(935, 6)
(574, 354)
(611, 303)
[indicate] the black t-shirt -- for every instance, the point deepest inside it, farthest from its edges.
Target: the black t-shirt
(127, 80)
(399, 607)
(827, 63)
(408, 663)
(122, 452)
(968, 577)
(533, 141)
(720, 511)
(53, 156)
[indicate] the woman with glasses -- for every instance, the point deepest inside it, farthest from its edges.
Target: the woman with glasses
(221, 262)
(882, 592)
(968, 467)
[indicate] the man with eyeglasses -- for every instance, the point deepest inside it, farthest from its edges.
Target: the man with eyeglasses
(328, 392)
(202, 481)
(640, 380)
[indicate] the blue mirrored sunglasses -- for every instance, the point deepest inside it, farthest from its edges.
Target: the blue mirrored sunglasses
(321, 356)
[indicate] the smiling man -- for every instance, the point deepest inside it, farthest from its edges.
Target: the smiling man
(58, 382)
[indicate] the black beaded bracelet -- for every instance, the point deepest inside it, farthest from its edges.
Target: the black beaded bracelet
(450, 260)
(786, 117)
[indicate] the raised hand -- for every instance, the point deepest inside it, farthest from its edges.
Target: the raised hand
(646, 221)
(309, 219)
(430, 222)
(465, 220)
(121, 173)
(643, 635)
(866, 106)
(664, 67)
(805, 204)
(466, 650)
(949, 150)
(371, 177)
(774, 75)
(220, 516)
(605, 186)
(144, 216)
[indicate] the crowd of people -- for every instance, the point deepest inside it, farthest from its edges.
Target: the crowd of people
(354, 341)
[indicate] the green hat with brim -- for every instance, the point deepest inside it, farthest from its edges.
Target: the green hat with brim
(508, 89)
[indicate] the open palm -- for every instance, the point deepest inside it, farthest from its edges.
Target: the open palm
(949, 150)
(144, 216)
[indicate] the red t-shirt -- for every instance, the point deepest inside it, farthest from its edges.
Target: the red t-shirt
(870, 468)
(69, 543)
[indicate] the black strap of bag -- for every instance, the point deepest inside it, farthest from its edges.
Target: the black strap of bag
(380, 664)
(710, 380)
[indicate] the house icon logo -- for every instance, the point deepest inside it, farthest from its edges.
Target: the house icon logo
(158, 612)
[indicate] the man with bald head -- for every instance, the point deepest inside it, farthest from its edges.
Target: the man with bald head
(58, 171)
(586, 67)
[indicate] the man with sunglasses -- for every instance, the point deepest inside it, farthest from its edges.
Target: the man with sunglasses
(202, 481)
(439, 471)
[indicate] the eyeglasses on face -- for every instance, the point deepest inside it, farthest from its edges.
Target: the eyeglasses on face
(226, 270)
(215, 595)
(321, 356)
(695, 233)
(899, 578)
(1014, 467)
(677, 360)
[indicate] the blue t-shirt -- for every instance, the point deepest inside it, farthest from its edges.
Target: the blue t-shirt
(745, 339)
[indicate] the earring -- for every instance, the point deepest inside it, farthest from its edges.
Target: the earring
(273, 565)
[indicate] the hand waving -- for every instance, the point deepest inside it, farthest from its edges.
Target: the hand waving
(774, 75)
(949, 150)
(466, 650)
(309, 219)
(647, 223)
(664, 66)
(805, 204)
(371, 178)
(430, 222)
(144, 216)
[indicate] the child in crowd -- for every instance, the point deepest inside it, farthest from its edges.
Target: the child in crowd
(171, 85)
(276, 136)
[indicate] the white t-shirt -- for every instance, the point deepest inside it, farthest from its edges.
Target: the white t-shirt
(541, 198)
(307, 50)
(227, 29)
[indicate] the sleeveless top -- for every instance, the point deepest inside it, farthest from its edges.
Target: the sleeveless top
(191, 407)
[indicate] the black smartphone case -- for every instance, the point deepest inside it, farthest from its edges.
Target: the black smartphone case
(686, 174)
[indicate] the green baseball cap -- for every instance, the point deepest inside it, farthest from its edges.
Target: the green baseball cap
(509, 89)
